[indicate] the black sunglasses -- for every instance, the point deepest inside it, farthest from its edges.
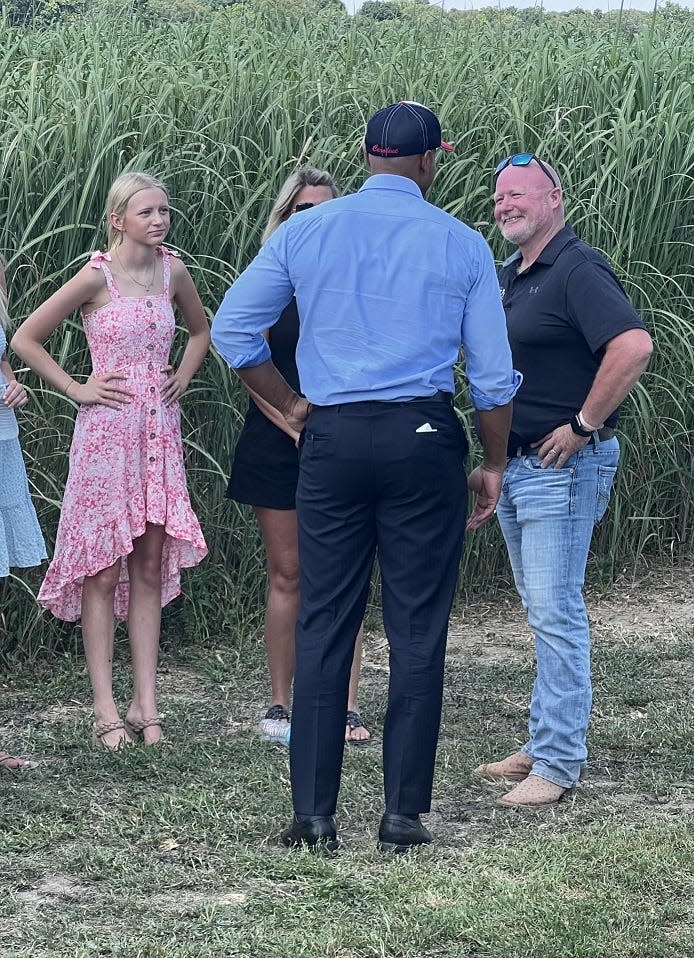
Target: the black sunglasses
(524, 159)
(300, 207)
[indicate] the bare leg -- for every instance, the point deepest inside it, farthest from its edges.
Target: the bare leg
(279, 532)
(359, 734)
(97, 634)
(144, 626)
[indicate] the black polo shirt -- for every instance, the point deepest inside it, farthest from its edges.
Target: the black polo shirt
(560, 313)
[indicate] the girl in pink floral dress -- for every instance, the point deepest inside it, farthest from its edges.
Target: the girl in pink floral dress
(126, 526)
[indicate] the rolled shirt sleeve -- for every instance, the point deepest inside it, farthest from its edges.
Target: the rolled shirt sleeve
(488, 364)
(252, 305)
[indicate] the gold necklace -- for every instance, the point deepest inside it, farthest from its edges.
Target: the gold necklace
(145, 286)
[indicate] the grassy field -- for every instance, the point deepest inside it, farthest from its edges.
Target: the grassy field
(174, 852)
(226, 106)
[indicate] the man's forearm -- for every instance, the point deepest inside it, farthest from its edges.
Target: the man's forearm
(270, 385)
(494, 427)
(272, 414)
(625, 359)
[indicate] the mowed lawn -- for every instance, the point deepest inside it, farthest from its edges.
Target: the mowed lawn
(175, 851)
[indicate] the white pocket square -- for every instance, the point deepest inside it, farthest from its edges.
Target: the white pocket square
(426, 428)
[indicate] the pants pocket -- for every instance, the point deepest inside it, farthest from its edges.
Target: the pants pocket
(606, 476)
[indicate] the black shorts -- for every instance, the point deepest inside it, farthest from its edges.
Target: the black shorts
(265, 470)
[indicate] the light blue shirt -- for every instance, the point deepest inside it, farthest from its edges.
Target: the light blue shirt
(388, 289)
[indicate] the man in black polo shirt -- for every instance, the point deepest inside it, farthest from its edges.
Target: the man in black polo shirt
(580, 347)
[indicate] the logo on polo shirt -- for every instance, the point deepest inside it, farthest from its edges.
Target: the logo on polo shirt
(533, 290)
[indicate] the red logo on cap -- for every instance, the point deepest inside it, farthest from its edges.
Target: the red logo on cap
(384, 150)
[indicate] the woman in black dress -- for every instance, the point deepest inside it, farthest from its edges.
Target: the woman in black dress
(264, 475)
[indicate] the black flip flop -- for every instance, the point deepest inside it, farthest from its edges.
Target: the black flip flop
(354, 720)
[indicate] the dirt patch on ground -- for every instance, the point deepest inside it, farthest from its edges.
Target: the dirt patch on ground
(190, 901)
(183, 684)
(661, 608)
(55, 890)
(61, 714)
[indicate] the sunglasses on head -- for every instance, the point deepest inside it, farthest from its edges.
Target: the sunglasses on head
(300, 207)
(524, 159)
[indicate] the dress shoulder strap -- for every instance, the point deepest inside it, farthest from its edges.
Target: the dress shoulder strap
(166, 256)
(99, 260)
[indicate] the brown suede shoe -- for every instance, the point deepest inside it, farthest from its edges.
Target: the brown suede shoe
(534, 792)
(515, 768)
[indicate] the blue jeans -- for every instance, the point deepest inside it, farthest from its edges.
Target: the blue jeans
(547, 518)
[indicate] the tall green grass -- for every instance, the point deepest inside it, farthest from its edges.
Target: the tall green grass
(225, 107)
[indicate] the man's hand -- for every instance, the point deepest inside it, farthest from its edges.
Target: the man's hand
(486, 485)
(559, 445)
(296, 419)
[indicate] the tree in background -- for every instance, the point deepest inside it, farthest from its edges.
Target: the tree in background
(380, 10)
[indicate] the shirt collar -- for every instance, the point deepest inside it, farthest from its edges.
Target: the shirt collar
(556, 245)
(391, 181)
(511, 259)
(548, 255)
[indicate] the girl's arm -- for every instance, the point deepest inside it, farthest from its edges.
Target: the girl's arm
(185, 295)
(28, 341)
(15, 394)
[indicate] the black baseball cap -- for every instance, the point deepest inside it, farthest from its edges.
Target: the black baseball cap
(404, 129)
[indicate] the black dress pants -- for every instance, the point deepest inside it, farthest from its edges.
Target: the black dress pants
(385, 478)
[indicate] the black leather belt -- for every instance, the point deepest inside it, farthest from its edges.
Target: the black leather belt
(531, 450)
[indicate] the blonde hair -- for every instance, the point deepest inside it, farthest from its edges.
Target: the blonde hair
(4, 314)
(122, 189)
(282, 209)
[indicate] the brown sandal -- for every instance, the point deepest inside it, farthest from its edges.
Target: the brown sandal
(105, 728)
(136, 730)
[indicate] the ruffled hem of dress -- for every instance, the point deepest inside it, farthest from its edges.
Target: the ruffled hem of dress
(21, 541)
(61, 591)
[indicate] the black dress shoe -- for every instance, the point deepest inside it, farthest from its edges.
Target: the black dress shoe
(399, 833)
(316, 831)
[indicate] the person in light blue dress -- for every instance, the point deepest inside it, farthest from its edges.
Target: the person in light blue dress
(21, 542)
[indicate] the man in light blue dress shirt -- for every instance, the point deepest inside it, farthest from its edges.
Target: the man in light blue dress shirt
(389, 288)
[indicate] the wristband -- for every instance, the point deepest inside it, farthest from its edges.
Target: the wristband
(586, 425)
(579, 430)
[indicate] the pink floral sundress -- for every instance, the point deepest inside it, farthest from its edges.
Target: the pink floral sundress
(126, 465)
